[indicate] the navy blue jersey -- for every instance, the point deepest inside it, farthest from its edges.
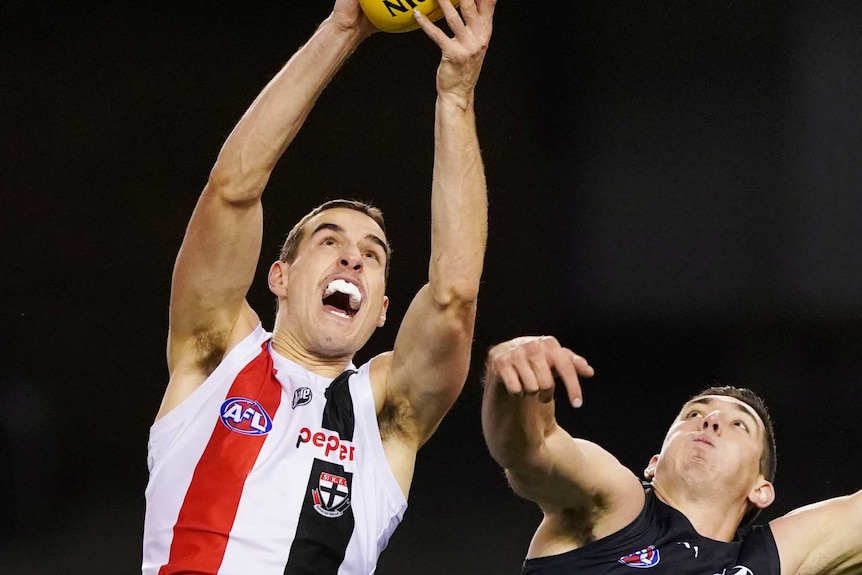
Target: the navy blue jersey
(662, 541)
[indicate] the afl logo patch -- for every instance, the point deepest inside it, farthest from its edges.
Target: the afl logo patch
(301, 396)
(245, 416)
(643, 559)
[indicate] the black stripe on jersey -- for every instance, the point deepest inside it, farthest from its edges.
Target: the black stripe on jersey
(338, 412)
(326, 519)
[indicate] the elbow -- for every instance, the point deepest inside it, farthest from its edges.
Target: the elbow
(455, 276)
(517, 454)
(459, 293)
(236, 188)
(455, 307)
(525, 476)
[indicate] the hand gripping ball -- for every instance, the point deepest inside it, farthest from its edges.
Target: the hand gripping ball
(397, 15)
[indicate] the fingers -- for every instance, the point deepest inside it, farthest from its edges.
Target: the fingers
(474, 8)
(570, 368)
(528, 366)
(429, 28)
(453, 19)
(473, 20)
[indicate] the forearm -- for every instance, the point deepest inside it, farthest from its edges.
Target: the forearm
(272, 121)
(459, 204)
(515, 427)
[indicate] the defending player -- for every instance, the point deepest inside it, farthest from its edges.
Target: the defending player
(714, 472)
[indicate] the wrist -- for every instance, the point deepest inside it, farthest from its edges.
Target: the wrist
(357, 27)
(456, 100)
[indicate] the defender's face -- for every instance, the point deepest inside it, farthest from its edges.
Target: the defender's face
(333, 295)
(714, 440)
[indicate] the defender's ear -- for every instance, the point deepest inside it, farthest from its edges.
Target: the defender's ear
(382, 319)
(649, 472)
(762, 495)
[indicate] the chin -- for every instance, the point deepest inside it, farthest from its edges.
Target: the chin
(336, 346)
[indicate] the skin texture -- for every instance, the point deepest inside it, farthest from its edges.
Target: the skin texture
(416, 383)
(708, 467)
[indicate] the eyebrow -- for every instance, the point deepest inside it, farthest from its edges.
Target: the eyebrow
(336, 228)
(738, 406)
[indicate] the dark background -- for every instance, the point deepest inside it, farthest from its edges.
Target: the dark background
(674, 193)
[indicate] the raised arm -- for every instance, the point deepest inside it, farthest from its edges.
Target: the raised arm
(431, 356)
(825, 537)
(216, 262)
(583, 490)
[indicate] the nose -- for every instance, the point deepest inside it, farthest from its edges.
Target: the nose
(351, 258)
(712, 422)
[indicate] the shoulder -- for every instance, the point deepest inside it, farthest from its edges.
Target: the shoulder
(379, 370)
(189, 372)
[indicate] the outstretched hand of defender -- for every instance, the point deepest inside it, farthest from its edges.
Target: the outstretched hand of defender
(529, 365)
(464, 53)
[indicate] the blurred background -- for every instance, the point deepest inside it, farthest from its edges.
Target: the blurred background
(675, 193)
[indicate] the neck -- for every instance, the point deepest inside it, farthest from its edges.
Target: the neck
(711, 514)
(285, 344)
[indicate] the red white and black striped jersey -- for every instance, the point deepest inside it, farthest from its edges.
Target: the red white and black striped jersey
(269, 469)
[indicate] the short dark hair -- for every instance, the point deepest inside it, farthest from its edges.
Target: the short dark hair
(769, 455)
(290, 248)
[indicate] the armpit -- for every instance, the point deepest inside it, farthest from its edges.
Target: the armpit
(209, 346)
(396, 420)
(578, 524)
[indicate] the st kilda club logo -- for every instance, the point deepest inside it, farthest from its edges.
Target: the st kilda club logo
(332, 496)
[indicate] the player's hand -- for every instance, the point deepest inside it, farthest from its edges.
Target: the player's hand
(528, 365)
(464, 53)
(349, 15)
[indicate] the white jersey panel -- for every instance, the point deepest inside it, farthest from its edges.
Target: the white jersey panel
(278, 482)
(176, 443)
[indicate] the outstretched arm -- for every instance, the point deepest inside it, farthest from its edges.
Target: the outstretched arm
(431, 356)
(572, 480)
(825, 537)
(217, 260)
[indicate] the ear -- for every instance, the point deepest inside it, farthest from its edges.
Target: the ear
(763, 494)
(277, 277)
(649, 472)
(382, 319)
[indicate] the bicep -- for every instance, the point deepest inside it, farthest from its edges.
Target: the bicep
(431, 359)
(215, 266)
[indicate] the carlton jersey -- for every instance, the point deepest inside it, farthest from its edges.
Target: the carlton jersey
(269, 469)
(662, 541)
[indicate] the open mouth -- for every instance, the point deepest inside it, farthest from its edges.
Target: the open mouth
(343, 298)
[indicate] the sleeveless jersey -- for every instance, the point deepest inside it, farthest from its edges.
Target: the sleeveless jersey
(662, 541)
(269, 469)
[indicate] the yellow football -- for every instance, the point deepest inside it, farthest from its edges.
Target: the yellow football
(397, 15)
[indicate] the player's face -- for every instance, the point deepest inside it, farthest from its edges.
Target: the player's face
(334, 291)
(715, 442)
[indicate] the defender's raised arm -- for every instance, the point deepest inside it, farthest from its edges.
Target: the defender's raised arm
(574, 481)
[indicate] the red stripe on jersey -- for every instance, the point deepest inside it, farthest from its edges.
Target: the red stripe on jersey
(206, 517)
